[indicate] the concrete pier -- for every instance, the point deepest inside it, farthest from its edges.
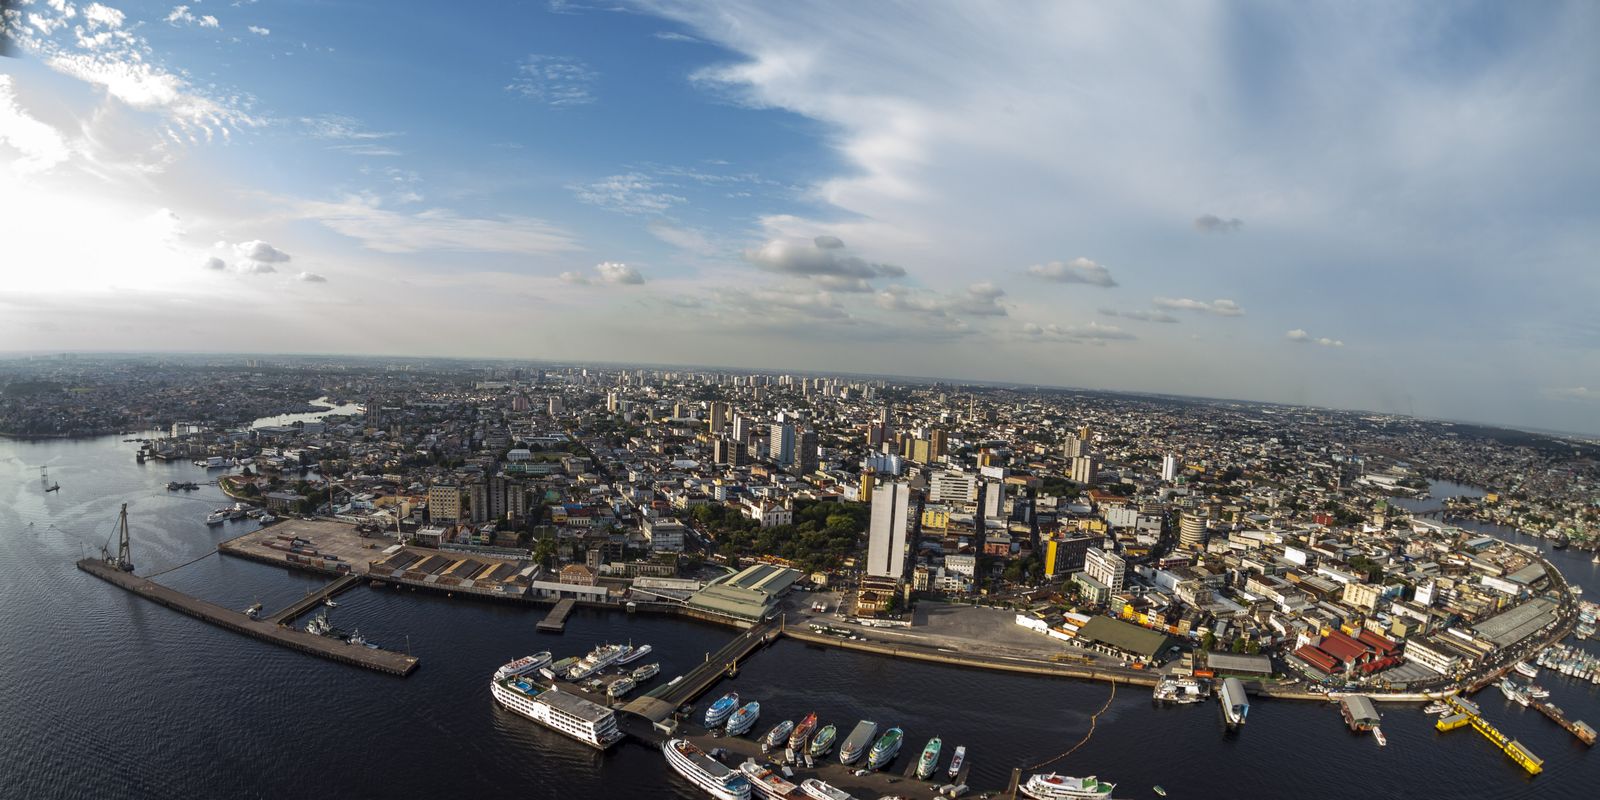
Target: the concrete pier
(556, 620)
(380, 660)
(314, 599)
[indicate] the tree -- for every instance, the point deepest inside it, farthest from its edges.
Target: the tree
(1238, 645)
(1208, 641)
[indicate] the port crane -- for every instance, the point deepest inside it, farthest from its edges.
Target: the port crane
(123, 559)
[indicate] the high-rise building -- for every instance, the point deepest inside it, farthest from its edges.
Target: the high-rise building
(1084, 469)
(1169, 468)
(478, 501)
(938, 444)
(806, 451)
(994, 499)
(953, 487)
(741, 428)
(1073, 448)
(444, 503)
(780, 445)
(1106, 567)
(886, 540)
(1065, 554)
(1192, 530)
(556, 407)
(718, 417)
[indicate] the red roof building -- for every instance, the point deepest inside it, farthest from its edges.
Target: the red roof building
(1344, 648)
(1317, 657)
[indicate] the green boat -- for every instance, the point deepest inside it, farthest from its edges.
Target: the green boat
(823, 741)
(929, 760)
(886, 749)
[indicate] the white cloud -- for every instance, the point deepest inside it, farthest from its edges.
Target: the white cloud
(1078, 270)
(1211, 223)
(1222, 308)
(576, 278)
(979, 299)
(258, 30)
(617, 272)
(312, 277)
(181, 15)
(555, 81)
(40, 145)
(341, 127)
(674, 36)
(257, 250)
(1574, 393)
(689, 240)
(1299, 335)
(98, 15)
(1093, 332)
(255, 268)
(1142, 316)
(822, 258)
(215, 264)
(630, 193)
(389, 231)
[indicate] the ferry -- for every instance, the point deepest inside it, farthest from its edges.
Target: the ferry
(1536, 692)
(744, 719)
(1526, 670)
(767, 783)
(563, 712)
(718, 712)
(634, 654)
(1050, 786)
(957, 761)
(523, 666)
(645, 672)
(886, 749)
(858, 742)
(217, 518)
(1510, 690)
(1235, 704)
(620, 687)
(1377, 733)
(929, 760)
(1178, 690)
(777, 736)
(254, 611)
(598, 659)
(822, 791)
(1436, 708)
(802, 732)
(823, 741)
(712, 776)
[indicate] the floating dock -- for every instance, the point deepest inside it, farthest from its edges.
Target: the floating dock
(332, 649)
(1465, 713)
(314, 599)
(658, 704)
(556, 620)
(1577, 728)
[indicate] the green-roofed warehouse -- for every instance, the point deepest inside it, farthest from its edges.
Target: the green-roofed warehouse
(1126, 639)
(751, 593)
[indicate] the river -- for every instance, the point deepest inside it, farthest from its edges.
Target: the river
(329, 407)
(109, 696)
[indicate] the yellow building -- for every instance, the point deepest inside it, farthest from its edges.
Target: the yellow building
(936, 517)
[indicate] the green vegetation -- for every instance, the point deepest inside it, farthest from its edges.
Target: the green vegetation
(822, 534)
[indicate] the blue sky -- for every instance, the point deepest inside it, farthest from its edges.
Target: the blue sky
(1374, 205)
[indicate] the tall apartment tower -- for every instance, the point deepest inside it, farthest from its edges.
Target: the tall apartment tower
(886, 539)
(780, 447)
(1169, 468)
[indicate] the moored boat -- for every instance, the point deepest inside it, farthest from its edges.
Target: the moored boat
(1050, 786)
(719, 711)
(957, 761)
(929, 760)
(886, 748)
(523, 666)
(563, 712)
(1526, 670)
(710, 775)
(620, 687)
(858, 742)
(645, 672)
(777, 736)
(802, 732)
(633, 654)
(822, 742)
(767, 783)
(744, 719)
(822, 791)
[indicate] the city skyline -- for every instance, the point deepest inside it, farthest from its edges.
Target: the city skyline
(1324, 207)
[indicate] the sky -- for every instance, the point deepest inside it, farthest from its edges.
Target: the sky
(1388, 206)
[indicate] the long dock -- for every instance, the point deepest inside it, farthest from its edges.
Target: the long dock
(1465, 713)
(1577, 728)
(368, 658)
(658, 705)
(556, 620)
(314, 599)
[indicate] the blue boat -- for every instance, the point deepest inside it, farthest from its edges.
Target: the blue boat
(744, 719)
(719, 711)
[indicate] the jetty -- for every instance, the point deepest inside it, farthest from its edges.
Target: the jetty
(1577, 728)
(313, 599)
(556, 620)
(321, 646)
(658, 705)
(1465, 713)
